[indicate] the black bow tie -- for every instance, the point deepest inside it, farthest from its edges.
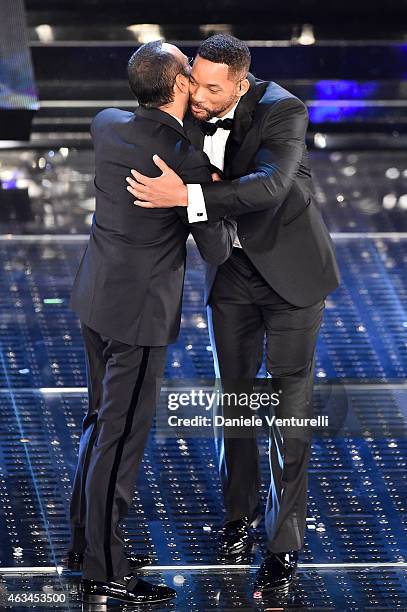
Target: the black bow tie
(209, 128)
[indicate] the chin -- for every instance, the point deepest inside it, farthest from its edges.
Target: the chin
(201, 115)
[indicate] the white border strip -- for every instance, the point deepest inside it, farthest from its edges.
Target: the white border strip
(43, 237)
(360, 103)
(358, 235)
(56, 391)
(30, 570)
(399, 565)
(131, 102)
(196, 568)
(197, 42)
(84, 390)
(81, 237)
(86, 103)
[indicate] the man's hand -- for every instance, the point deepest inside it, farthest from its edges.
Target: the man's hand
(165, 191)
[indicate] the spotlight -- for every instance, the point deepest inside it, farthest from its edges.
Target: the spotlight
(307, 35)
(145, 32)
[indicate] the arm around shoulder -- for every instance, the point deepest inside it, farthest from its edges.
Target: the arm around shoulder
(276, 163)
(213, 239)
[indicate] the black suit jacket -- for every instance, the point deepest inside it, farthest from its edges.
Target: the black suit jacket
(130, 280)
(269, 188)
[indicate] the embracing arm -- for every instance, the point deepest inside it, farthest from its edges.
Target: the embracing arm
(276, 163)
(275, 166)
(213, 239)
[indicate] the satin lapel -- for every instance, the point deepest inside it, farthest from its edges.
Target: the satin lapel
(242, 121)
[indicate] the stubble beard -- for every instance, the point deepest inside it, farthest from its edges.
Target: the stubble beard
(209, 114)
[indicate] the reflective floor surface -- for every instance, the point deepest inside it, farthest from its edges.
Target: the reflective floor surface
(355, 557)
(357, 482)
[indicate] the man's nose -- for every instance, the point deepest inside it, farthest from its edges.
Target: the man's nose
(198, 95)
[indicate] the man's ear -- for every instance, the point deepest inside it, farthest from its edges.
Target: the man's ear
(182, 82)
(243, 87)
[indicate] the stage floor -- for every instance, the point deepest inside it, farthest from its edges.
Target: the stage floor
(355, 556)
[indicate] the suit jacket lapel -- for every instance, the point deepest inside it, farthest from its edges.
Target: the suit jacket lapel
(242, 121)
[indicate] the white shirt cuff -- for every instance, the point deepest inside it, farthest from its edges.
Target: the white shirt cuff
(196, 209)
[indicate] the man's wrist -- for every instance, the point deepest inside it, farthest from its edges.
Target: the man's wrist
(182, 195)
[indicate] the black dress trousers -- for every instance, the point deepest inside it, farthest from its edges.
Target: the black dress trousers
(246, 315)
(124, 384)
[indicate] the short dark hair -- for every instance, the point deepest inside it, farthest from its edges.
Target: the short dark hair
(226, 49)
(152, 71)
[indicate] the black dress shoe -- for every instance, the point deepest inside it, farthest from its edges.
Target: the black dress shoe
(74, 561)
(130, 589)
(234, 537)
(276, 572)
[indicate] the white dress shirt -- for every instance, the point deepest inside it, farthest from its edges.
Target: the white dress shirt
(214, 147)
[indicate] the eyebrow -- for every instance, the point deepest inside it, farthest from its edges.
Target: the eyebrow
(207, 84)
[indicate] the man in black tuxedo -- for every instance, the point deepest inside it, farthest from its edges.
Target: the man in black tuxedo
(128, 294)
(274, 284)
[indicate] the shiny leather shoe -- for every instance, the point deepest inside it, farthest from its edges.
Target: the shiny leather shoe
(276, 572)
(234, 537)
(129, 589)
(74, 561)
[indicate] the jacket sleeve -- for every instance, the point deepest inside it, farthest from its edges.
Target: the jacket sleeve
(275, 165)
(214, 239)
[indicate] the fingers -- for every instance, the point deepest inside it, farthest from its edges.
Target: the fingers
(144, 204)
(138, 191)
(160, 163)
(140, 178)
(148, 180)
(132, 183)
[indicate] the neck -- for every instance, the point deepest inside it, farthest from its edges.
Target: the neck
(176, 108)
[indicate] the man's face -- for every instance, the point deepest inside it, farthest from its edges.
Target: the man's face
(212, 92)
